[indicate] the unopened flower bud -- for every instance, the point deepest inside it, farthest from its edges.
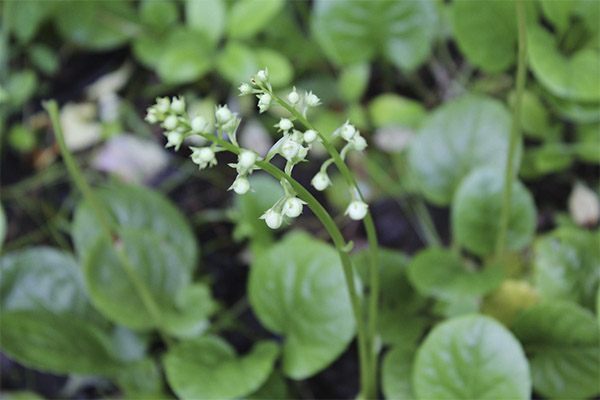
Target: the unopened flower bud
(264, 102)
(347, 132)
(223, 115)
(294, 97)
(245, 89)
(357, 210)
(246, 159)
(263, 75)
(174, 139)
(359, 143)
(199, 124)
(151, 117)
(272, 218)
(310, 136)
(170, 122)
(312, 100)
(293, 207)
(240, 185)
(290, 149)
(285, 124)
(178, 105)
(163, 104)
(320, 181)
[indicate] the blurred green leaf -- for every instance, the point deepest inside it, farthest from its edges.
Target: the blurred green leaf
(358, 31)
(391, 109)
(237, 62)
(44, 58)
(476, 209)
(461, 135)
(159, 14)
(248, 17)
(562, 341)
(281, 71)
(21, 139)
(24, 18)
(471, 357)
(297, 289)
(20, 86)
(187, 56)
(396, 374)
(558, 12)
(207, 16)
(353, 81)
(208, 368)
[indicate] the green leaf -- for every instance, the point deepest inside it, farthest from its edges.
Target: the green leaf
(391, 109)
(396, 374)
(195, 304)
(572, 76)
(399, 320)
(159, 14)
(442, 274)
(353, 81)
(587, 146)
(21, 138)
(24, 18)
(562, 341)
(281, 71)
(188, 56)
(237, 62)
(141, 380)
(248, 17)
(567, 266)
(534, 116)
(548, 158)
(148, 49)
(471, 357)
(44, 58)
(486, 32)
(477, 207)
(138, 208)
(3, 226)
(274, 388)
(558, 12)
(96, 25)
(357, 31)
(207, 16)
(297, 289)
(20, 86)
(208, 368)
(157, 265)
(464, 134)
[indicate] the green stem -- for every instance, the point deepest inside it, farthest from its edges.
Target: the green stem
(106, 229)
(338, 241)
(515, 133)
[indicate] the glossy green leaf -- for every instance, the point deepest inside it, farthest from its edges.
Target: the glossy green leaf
(248, 17)
(466, 133)
(562, 341)
(391, 109)
(297, 289)
(358, 31)
(442, 274)
(138, 208)
(208, 368)
(159, 14)
(399, 320)
(207, 16)
(471, 357)
(486, 33)
(573, 76)
(96, 25)
(353, 81)
(281, 71)
(396, 374)
(567, 266)
(477, 207)
(187, 57)
(237, 62)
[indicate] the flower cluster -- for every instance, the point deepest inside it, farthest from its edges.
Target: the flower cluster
(293, 145)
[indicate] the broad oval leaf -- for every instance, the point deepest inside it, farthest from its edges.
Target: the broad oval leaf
(572, 77)
(396, 374)
(477, 207)
(248, 17)
(208, 368)
(461, 135)
(356, 31)
(207, 16)
(237, 62)
(297, 289)
(139, 208)
(187, 56)
(281, 71)
(442, 274)
(471, 357)
(486, 32)
(563, 344)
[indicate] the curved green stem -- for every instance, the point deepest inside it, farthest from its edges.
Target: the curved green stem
(515, 133)
(108, 232)
(340, 245)
(371, 390)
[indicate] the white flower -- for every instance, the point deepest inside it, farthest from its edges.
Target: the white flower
(293, 207)
(290, 149)
(151, 116)
(584, 205)
(203, 156)
(312, 100)
(310, 136)
(199, 124)
(245, 89)
(357, 210)
(284, 124)
(264, 102)
(163, 104)
(246, 159)
(240, 185)
(262, 76)
(359, 143)
(272, 218)
(294, 97)
(178, 105)
(174, 139)
(320, 181)
(223, 115)
(348, 132)
(170, 122)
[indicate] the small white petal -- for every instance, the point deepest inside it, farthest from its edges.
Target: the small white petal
(357, 210)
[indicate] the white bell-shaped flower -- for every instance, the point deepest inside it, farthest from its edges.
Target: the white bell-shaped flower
(273, 218)
(240, 185)
(357, 210)
(293, 207)
(320, 181)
